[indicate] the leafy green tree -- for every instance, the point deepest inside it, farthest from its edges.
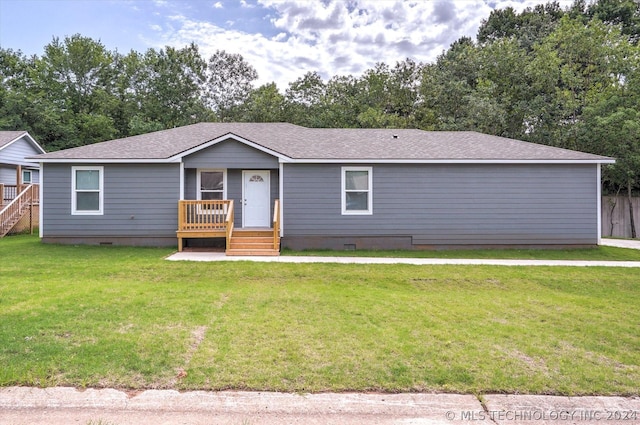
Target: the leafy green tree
(13, 70)
(229, 83)
(502, 90)
(528, 27)
(341, 105)
(448, 86)
(566, 66)
(304, 100)
(625, 13)
(265, 104)
(169, 88)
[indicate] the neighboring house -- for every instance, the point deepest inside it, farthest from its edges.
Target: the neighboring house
(320, 188)
(15, 146)
(16, 174)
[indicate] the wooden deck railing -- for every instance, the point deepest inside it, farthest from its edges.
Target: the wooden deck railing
(10, 214)
(9, 192)
(203, 215)
(205, 219)
(230, 219)
(276, 224)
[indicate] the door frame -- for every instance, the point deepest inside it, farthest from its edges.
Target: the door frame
(244, 215)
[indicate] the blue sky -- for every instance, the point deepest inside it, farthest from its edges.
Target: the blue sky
(282, 39)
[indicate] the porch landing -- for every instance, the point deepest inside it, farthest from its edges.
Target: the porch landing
(215, 219)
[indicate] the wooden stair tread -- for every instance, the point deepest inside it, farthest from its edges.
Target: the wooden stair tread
(252, 243)
(252, 252)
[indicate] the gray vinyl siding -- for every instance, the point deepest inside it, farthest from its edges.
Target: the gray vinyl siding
(140, 200)
(230, 154)
(7, 175)
(455, 204)
(35, 176)
(16, 153)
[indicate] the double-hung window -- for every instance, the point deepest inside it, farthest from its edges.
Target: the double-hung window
(87, 193)
(357, 190)
(211, 185)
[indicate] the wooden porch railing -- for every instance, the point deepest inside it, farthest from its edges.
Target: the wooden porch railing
(276, 224)
(205, 219)
(9, 192)
(230, 219)
(14, 211)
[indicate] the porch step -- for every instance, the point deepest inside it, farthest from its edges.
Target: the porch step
(252, 242)
(253, 252)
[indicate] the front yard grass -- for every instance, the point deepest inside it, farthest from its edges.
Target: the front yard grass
(126, 318)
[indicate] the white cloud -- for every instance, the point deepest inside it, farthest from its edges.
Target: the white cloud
(218, 5)
(336, 37)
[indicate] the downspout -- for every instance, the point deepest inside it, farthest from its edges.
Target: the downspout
(41, 205)
(181, 194)
(599, 201)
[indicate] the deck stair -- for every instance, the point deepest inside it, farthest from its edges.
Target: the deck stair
(253, 242)
(12, 213)
(8, 224)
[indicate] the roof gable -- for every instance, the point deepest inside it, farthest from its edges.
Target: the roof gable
(230, 153)
(290, 142)
(8, 138)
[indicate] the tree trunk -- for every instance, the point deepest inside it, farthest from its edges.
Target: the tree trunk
(632, 221)
(612, 203)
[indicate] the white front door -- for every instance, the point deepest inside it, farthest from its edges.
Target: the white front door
(256, 195)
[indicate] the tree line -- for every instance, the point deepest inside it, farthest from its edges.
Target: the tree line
(563, 77)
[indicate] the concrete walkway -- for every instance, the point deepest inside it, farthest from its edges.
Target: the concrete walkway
(622, 243)
(57, 406)
(219, 256)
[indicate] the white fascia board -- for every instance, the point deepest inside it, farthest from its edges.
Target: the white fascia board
(453, 161)
(13, 141)
(178, 159)
(29, 139)
(103, 161)
(33, 141)
(227, 137)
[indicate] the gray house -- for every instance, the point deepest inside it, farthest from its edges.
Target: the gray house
(257, 187)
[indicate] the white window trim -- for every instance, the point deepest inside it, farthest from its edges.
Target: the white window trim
(369, 210)
(198, 181)
(25, 172)
(100, 210)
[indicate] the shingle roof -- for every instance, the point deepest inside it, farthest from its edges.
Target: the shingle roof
(301, 143)
(7, 137)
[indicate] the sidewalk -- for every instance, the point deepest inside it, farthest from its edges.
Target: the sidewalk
(57, 406)
(622, 243)
(220, 256)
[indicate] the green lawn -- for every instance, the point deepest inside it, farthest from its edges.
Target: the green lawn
(124, 317)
